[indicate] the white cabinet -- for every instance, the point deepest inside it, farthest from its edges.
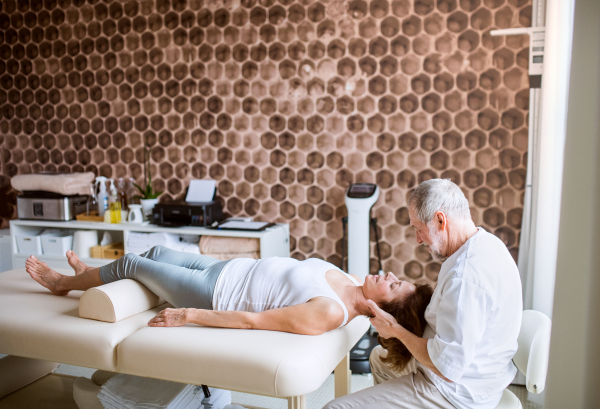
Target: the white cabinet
(5, 251)
(274, 241)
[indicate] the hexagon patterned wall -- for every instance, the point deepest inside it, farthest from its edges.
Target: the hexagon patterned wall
(283, 102)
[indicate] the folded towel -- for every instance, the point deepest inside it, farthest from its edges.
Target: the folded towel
(230, 256)
(134, 392)
(62, 183)
(140, 242)
(182, 246)
(217, 244)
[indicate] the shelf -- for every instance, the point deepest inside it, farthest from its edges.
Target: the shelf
(44, 257)
(18, 260)
(274, 241)
(73, 224)
(61, 258)
(150, 228)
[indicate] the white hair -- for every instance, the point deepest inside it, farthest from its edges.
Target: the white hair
(440, 195)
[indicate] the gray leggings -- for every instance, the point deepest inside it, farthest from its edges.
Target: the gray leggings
(184, 280)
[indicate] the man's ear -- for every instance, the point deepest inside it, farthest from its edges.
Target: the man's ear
(441, 220)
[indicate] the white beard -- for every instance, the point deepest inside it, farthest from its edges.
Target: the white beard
(436, 245)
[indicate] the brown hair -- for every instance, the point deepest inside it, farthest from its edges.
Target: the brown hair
(410, 313)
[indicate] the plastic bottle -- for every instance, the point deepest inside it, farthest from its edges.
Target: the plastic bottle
(102, 195)
(107, 216)
(122, 191)
(132, 192)
(91, 203)
(114, 204)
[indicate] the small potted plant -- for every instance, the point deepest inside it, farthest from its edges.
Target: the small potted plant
(148, 197)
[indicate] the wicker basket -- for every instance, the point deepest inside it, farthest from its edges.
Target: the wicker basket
(92, 217)
(111, 251)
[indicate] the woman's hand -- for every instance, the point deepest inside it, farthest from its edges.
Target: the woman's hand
(384, 323)
(170, 317)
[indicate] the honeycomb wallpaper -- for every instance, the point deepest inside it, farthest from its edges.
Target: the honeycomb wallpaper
(283, 102)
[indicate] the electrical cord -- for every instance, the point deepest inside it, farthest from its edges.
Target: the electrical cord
(374, 224)
(344, 224)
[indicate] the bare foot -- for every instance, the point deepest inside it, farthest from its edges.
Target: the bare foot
(79, 266)
(40, 272)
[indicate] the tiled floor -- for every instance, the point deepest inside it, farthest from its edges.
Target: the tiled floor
(324, 394)
(521, 393)
(49, 392)
(57, 393)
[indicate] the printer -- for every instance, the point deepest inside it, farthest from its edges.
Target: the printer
(200, 209)
(198, 214)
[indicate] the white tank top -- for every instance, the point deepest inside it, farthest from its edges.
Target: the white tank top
(252, 285)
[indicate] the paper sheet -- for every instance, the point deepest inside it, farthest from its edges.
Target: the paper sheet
(243, 225)
(201, 191)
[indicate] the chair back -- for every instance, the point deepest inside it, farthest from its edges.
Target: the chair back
(534, 349)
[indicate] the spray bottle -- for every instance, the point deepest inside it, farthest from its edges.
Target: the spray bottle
(114, 203)
(101, 195)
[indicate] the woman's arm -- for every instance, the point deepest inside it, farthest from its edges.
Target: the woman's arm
(312, 318)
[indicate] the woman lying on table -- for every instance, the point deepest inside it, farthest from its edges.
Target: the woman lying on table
(277, 293)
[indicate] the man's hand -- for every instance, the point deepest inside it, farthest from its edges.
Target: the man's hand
(170, 317)
(384, 323)
(388, 327)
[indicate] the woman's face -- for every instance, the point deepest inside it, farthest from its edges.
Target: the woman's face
(385, 288)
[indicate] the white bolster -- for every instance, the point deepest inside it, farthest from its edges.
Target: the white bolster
(117, 300)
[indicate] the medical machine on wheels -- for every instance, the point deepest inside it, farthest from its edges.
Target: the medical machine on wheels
(360, 198)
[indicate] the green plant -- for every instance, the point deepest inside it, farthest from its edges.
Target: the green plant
(146, 192)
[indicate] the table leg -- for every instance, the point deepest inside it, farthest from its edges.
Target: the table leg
(297, 402)
(343, 377)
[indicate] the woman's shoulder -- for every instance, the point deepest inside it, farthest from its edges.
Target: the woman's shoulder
(328, 308)
(359, 280)
(337, 278)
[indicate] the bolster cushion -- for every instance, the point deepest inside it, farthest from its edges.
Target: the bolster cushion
(117, 300)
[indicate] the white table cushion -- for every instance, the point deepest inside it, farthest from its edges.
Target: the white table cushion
(116, 301)
(34, 323)
(263, 362)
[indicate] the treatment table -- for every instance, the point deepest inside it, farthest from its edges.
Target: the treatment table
(37, 324)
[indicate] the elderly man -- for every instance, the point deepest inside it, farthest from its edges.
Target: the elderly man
(464, 359)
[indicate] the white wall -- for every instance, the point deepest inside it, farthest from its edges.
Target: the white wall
(550, 151)
(575, 350)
